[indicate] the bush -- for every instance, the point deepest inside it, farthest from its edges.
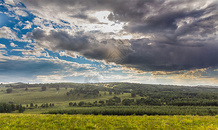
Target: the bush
(26, 89)
(133, 94)
(44, 88)
(101, 101)
(9, 90)
(81, 103)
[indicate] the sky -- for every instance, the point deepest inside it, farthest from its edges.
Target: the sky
(137, 41)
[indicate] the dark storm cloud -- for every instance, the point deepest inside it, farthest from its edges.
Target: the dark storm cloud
(182, 35)
(84, 43)
(165, 25)
(170, 58)
(60, 40)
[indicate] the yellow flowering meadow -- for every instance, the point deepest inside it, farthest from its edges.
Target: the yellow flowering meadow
(64, 122)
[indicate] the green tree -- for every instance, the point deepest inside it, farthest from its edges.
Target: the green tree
(13, 107)
(127, 101)
(81, 103)
(117, 99)
(70, 104)
(21, 109)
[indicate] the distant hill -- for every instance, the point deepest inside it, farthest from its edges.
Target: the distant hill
(207, 86)
(18, 83)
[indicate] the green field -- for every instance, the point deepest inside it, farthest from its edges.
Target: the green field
(38, 121)
(51, 95)
(148, 99)
(35, 95)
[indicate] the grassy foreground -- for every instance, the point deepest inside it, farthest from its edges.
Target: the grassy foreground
(39, 121)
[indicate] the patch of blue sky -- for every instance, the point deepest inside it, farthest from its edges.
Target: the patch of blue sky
(2, 8)
(20, 30)
(15, 53)
(58, 26)
(78, 59)
(7, 43)
(63, 21)
(19, 44)
(3, 20)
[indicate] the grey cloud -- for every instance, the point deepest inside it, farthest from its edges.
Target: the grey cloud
(141, 55)
(85, 17)
(166, 22)
(84, 43)
(183, 34)
(170, 58)
(60, 40)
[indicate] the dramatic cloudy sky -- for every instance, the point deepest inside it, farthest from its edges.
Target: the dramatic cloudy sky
(143, 41)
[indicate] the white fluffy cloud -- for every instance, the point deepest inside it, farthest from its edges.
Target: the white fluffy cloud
(2, 46)
(7, 33)
(28, 25)
(21, 13)
(33, 51)
(13, 45)
(11, 2)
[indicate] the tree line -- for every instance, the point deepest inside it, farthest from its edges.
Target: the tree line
(145, 110)
(8, 108)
